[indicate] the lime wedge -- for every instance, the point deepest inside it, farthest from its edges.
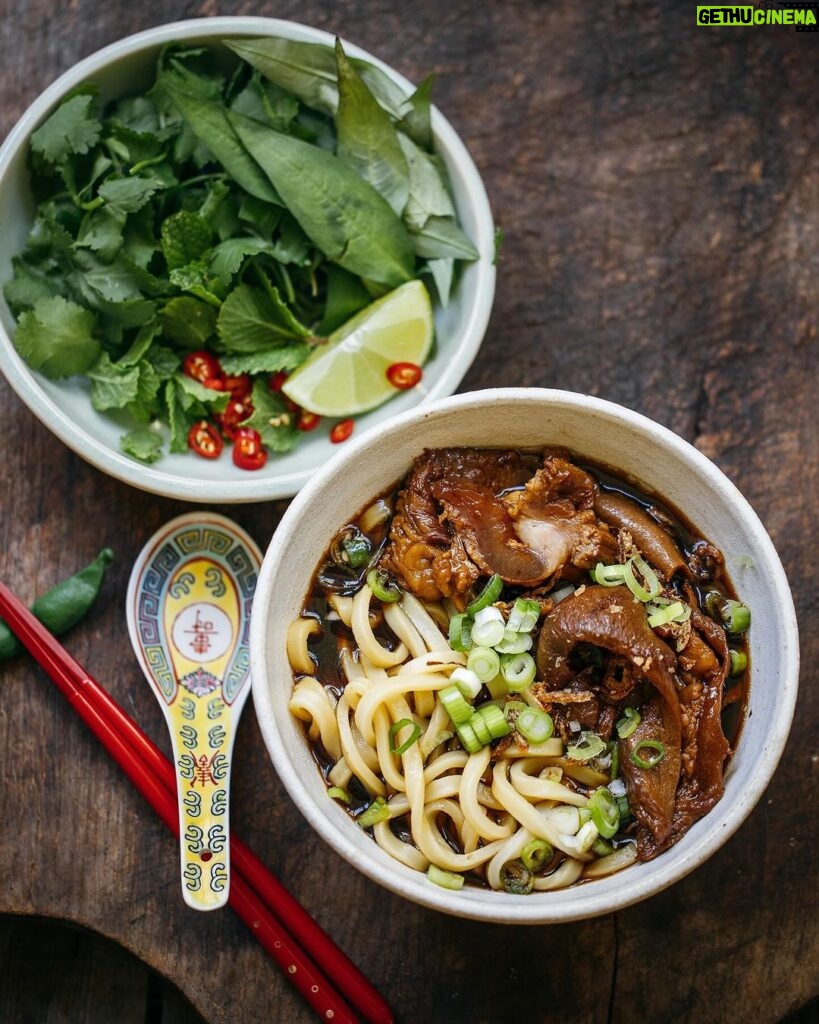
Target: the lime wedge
(348, 373)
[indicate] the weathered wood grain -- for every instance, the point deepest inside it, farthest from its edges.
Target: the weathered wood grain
(658, 189)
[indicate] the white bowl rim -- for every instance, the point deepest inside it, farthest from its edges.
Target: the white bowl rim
(604, 895)
(253, 488)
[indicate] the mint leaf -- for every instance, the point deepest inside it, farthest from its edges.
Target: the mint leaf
(185, 238)
(72, 128)
(251, 320)
(55, 337)
(143, 444)
(194, 278)
(112, 386)
(188, 321)
(272, 419)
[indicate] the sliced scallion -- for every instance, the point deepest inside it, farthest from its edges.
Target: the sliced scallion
(535, 854)
(494, 719)
(514, 643)
(608, 575)
(469, 740)
(628, 723)
(739, 662)
(736, 616)
(647, 586)
(446, 879)
(396, 727)
(484, 662)
(356, 548)
(460, 632)
(604, 812)
(524, 615)
(377, 811)
(662, 615)
(337, 793)
(655, 753)
(467, 681)
(455, 705)
(535, 725)
(586, 746)
(488, 627)
(518, 670)
(490, 593)
(516, 878)
(383, 586)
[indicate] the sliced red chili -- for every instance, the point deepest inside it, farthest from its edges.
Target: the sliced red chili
(248, 450)
(234, 414)
(204, 439)
(202, 366)
(276, 381)
(239, 385)
(307, 420)
(341, 431)
(404, 375)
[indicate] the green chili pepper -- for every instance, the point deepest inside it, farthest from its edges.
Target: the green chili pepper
(64, 605)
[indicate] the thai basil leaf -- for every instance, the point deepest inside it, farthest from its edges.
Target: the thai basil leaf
(442, 271)
(417, 119)
(367, 140)
(429, 195)
(209, 122)
(441, 238)
(308, 70)
(342, 214)
(346, 295)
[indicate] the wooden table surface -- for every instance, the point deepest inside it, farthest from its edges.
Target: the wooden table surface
(658, 189)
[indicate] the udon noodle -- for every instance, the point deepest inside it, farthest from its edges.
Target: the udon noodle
(513, 670)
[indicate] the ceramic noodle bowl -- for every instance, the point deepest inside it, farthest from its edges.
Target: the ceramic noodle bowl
(634, 447)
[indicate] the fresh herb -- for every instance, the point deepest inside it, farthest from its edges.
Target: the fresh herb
(246, 211)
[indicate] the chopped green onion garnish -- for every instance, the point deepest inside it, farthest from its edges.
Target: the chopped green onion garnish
(656, 753)
(604, 812)
(587, 746)
(628, 723)
(467, 681)
(337, 793)
(535, 854)
(377, 811)
(622, 804)
(383, 586)
(516, 878)
(649, 587)
(455, 705)
(446, 879)
(514, 643)
(534, 725)
(396, 728)
(484, 662)
(739, 662)
(601, 848)
(481, 729)
(460, 632)
(469, 740)
(518, 670)
(524, 615)
(736, 616)
(608, 575)
(494, 719)
(614, 769)
(661, 615)
(357, 548)
(488, 627)
(490, 593)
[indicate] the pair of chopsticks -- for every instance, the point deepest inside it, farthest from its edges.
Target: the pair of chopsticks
(323, 974)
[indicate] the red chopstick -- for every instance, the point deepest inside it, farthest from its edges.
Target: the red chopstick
(305, 952)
